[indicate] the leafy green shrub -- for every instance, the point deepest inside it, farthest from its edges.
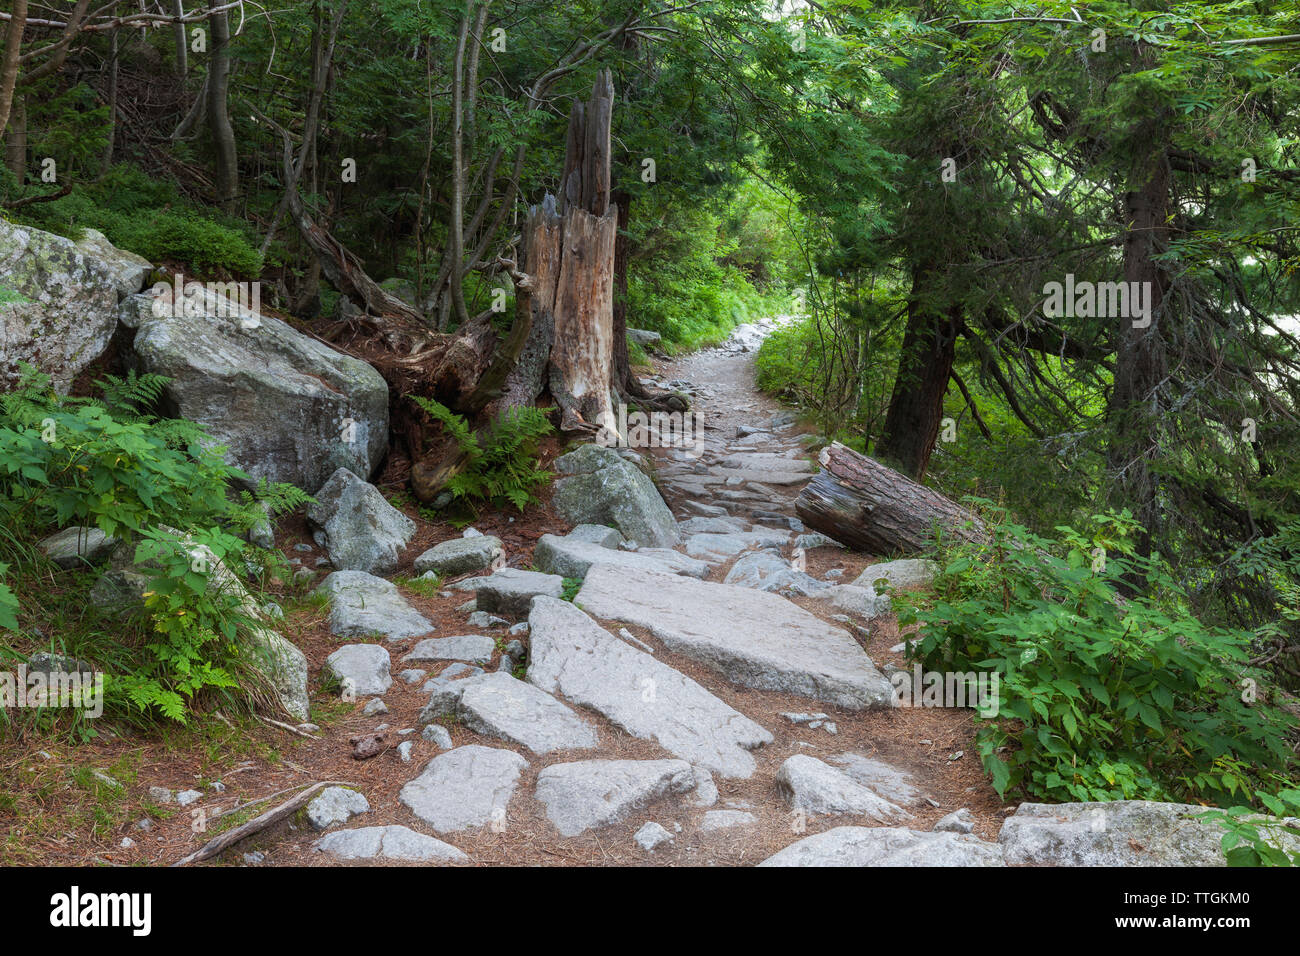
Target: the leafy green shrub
(154, 483)
(186, 237)
(1101, 697)
(502, 463)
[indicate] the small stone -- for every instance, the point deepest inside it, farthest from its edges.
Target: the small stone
(437, 734)
(374, 707)
(404, 750)
(335, 805)
(413, 675)
(959, 821)
(519, 630)
(160, 795)
(830, 727)
(127, 843)
(254, 858)
(105, 779)
(303, 548)
(366, 746)
(725, 819)
(652, 835)
(186, 797)
(217, 786)
(144, 824)
(484, 619)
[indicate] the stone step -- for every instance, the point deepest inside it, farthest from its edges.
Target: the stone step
(751, 637)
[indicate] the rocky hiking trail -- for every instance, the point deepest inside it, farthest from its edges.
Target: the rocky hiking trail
(714, 693)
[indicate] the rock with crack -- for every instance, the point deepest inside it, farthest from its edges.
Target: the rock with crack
(600, 534)
(392, 842)
(501, 706)
(819, 789)
(361, 669)
(459, 555)
(77, 547)
(899, 575)
(510, 591)
(1117, 833)
(862, 602)
(573, 559)
(335, 805)
(363, 532)
(595, 793)
(702, 525)
(474, 648)
(62, 298)
(571, 655)
(880, 778)
(767, 571)
(751, 637)
(652, 835)
(362, 605)
(719, 547)
(464, 788)
(286, 406)
(887, 846)
(599, 486)
(757, 461)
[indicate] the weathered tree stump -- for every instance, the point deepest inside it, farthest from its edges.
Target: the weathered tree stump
(861, 503)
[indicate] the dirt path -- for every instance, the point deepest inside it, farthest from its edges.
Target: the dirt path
(748, 469)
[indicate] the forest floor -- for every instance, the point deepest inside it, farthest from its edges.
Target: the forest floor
(55, 811)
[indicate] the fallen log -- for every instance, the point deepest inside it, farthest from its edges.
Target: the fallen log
(861, 503)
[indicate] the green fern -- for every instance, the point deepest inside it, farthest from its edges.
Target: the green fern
(502, 460)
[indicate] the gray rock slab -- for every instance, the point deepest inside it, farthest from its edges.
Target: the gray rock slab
(573, 559)
(459, 555)
(1117, 833)
(520, 713)
(389, 843)
(902, 574)
(593, 793)
(573, 656)
(510, 591)
(599, 486)
(362, 669)
(464, 788)
(77, 546)
(363, 605)
(474, 648)
(880, 778)
(335, 805)
(887, 846)
(819, 789)
(752, 637)
(363, 532)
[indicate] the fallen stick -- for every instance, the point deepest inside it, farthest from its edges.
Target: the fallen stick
(258, 824)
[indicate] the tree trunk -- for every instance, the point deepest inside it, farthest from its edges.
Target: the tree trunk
(179, 39)
(1140, 361)
(924, 367)
(569, 253)
(16, 139)
(861, 503)
(223, 134)
(9, 59)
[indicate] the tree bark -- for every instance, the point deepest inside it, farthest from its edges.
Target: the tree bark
(569, 253)
(9, 60)
(924, 367)
(861, 503)
(16, 138)
(223, 134)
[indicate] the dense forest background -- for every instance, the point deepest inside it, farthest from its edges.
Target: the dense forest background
(906, 177)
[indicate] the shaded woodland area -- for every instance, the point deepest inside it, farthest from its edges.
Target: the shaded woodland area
(1042, 262)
